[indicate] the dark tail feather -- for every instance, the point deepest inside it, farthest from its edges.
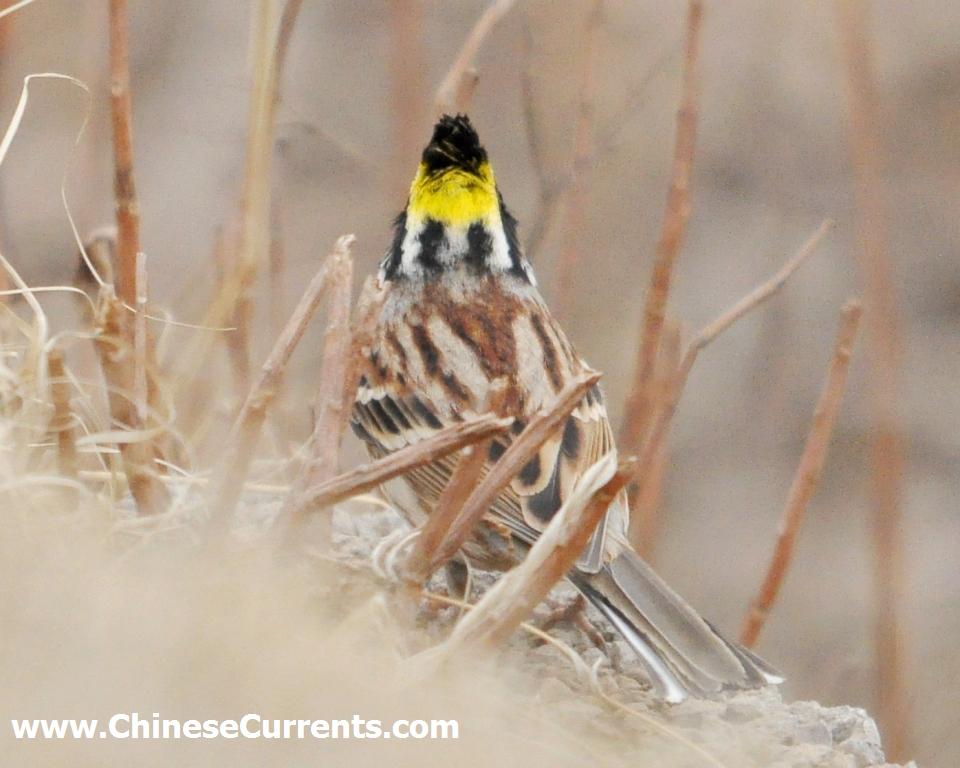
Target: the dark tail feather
(682, 652)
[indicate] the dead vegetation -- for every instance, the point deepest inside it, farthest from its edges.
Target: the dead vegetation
(50, 417)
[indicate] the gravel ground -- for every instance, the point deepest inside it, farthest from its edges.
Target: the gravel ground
(743, 729)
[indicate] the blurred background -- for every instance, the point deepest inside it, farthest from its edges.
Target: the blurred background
(773, 160)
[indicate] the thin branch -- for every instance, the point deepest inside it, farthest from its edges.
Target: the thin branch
(515, 596)
(808, 473)
(113, 344)
(540, 427)
(62, 422)
(462, 483)
(408, 89)
(638, 406)
(576, 203)
(342, 365)
(452, 84)
(288, 20)
(645, 494)
(227, 483)
(127, 211)
(884, 337)
(661, 422)
(368, 476)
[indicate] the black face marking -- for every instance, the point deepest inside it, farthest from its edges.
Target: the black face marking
(479, 247)
(363, 382)
(497, 450)
(530, 472)
(570, 443)
(427, 349)
(550, 361)
(544, 505)
(425, 413)
(391, 264)
(518, 426)
(513, 241)
(455, 144)
(431, 239)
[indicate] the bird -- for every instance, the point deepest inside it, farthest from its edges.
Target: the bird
(462, 320)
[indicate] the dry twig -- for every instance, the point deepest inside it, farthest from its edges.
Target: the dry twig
(368, 476)
(576, 204)
(884, 337)
(408, 89)
(456, 85)
(128, 214)
(638, 406)
(227, 483)
(540, 427)
(113, 344)
(513, 598)
(644, 495)
(808, 473)
(661, 422)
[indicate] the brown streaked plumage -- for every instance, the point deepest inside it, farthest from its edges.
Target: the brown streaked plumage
(462, 320)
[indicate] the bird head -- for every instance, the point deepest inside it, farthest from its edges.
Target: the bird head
(455, 218)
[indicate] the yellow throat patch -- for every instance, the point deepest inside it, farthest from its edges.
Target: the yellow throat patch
(454, 196)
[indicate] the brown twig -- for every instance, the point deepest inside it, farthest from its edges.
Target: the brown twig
(462, 483)
(62, 422)
(513, 598)
(662, 419)
(808, 473)
(452, 85)
(638, 406)
(343, 361)
(576, 204)
(884, 337)
(540, 427)
(140, 376)
(227, 483)
(408, 89)
(369, 476)
(113, 344)
(288, 21)
(128, 214)
(644, 495)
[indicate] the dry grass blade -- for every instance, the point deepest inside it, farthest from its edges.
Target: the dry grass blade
(661, 423)
(113, 344)
(639, 402)
(452, 86)
(808, 473)
(884, 340)
(553, 555)
(128, 214)
(368, 476)
(227, 483)
(62, 422)
(540, 427)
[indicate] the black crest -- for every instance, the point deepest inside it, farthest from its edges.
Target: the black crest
(454, 144)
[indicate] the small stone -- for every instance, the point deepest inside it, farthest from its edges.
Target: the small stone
(815, 732)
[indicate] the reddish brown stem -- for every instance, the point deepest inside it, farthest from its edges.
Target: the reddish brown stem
(807, 475)
(369, 476)
(128, 214)
(884, 341)
(639, 401)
